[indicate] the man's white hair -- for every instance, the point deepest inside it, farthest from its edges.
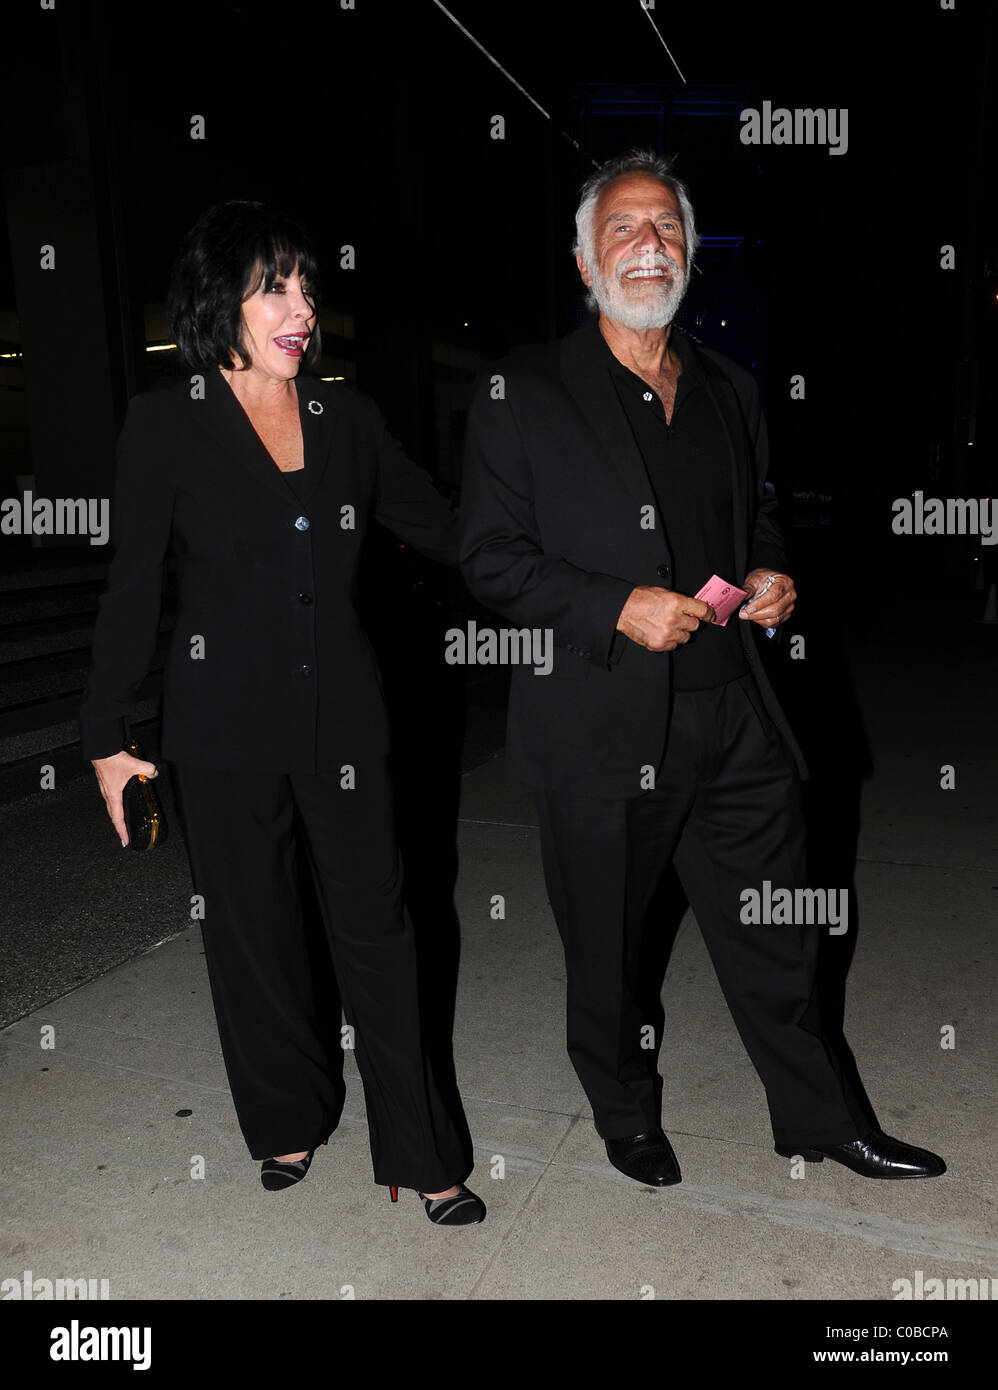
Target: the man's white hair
(636, 161)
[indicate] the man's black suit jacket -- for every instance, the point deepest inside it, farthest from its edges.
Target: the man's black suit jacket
(269, 668)
(554, 495)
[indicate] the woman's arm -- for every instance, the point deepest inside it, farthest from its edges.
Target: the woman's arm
(407, 502)
(128, 617)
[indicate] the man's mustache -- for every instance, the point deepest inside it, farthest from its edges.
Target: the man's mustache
(658, 260)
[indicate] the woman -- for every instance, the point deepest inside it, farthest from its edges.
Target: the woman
(263, 484)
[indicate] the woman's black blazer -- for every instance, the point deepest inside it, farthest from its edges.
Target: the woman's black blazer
(269, 668)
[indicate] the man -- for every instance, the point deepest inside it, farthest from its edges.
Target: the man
(608, 476)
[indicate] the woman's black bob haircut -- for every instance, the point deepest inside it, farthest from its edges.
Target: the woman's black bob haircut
(234, 249)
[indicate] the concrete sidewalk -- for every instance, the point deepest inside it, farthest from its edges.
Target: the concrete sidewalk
(99, 1152)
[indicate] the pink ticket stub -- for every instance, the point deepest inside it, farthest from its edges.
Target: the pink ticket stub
(723, 597)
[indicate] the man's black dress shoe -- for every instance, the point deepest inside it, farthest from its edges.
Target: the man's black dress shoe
(876, 1155)
(646, 1158)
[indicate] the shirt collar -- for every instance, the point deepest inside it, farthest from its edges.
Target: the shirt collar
(678, 341)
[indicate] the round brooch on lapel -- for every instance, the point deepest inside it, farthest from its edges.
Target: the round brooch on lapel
(315, 407)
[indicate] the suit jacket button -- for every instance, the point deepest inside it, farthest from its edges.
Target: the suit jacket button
(304, 598)
(664, 571)
(302, 523)
(304, 670)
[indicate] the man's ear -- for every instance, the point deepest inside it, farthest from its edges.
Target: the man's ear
(584, 271)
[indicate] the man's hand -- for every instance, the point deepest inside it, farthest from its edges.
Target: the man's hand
(661, 619)
(112, 774)
(775, 605)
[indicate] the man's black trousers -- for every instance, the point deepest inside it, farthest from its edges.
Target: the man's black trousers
(726, 811)
(283, 1063)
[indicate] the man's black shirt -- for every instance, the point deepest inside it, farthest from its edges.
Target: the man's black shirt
(689, 468)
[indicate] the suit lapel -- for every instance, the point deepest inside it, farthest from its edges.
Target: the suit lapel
(591, 387)
(318, 418)
(722, 394)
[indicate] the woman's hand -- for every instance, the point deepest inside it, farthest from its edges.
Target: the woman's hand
(112, 774)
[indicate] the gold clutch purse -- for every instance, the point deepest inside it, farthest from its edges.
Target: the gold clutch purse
(143, 810)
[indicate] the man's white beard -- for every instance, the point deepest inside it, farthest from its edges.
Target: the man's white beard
(652, 310)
